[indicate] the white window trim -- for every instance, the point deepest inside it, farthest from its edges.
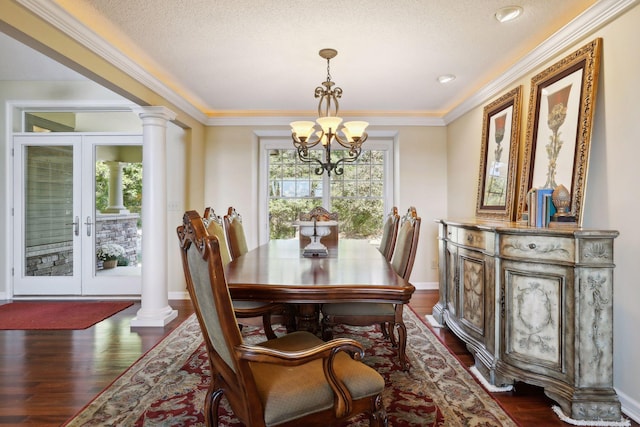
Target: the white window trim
(271, 140)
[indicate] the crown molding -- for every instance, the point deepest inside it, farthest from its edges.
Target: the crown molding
(598, 15)
(284, 121)
(54, 14)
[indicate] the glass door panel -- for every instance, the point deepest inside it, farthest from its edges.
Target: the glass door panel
(46, 216)
(114, 203)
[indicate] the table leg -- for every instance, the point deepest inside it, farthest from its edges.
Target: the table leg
(308, 317)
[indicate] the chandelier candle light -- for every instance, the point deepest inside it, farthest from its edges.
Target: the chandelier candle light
(351, 135)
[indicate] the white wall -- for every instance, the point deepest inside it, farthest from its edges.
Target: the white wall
(231, 179)
(611, 198)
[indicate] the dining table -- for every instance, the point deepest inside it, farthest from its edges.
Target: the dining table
(353, 270)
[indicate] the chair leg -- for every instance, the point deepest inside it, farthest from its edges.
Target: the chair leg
(378, 415)
(384, 327)
(268, 329)
(290, 317)
(402, 346)
(327, 334)
(212, 404)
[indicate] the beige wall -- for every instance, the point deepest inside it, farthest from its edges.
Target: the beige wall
(231, 179)
(611, 200)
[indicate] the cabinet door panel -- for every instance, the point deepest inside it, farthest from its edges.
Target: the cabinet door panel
(476, 295)
(472, 293)
(538, 319)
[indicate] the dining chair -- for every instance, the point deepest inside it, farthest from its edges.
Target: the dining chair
(387, 315)
(263, 383)
(234, 230)
(213, 224)
(389, 234)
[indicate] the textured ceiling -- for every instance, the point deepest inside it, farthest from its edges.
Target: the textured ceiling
(251, 57)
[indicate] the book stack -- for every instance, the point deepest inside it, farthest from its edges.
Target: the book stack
(541, 207)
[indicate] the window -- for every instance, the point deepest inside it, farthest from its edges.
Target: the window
(360, 196)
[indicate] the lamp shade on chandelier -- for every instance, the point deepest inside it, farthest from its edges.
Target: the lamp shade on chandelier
(350, 135)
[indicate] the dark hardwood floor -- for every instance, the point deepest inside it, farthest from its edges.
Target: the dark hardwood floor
(48, 376)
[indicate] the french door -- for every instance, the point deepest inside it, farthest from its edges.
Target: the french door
(55, 220)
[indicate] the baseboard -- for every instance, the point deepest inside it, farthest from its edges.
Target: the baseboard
(426, 285)
(433, 322)
(179, 295)
(630, 407)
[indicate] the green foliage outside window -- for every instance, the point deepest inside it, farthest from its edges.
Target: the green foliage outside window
(357, 196)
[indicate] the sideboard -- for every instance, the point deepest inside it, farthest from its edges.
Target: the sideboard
(534, 305)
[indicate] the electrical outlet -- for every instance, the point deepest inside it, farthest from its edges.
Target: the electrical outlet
(434, 264)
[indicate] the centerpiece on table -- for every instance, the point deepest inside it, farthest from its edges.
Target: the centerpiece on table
(315, 228)
(109, 254)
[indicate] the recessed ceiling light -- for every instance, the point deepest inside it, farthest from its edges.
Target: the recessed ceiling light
(446, 78)
(508, 13)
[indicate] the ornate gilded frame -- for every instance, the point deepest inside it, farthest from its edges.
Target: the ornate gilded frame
(568, 90)
(500, 141)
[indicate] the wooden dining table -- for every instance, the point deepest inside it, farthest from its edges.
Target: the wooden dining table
(353, 271)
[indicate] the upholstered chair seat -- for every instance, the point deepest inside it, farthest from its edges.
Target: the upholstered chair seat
(285, 397)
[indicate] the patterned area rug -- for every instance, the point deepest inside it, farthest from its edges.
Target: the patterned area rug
(166, 387)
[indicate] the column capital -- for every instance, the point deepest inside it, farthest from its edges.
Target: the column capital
(154, 112)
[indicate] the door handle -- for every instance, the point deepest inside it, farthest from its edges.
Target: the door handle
(88, 224)
(76, 226)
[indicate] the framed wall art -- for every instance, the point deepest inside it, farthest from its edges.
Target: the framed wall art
(561, 109)
(499, 156)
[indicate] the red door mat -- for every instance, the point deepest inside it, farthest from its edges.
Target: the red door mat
(42, 315)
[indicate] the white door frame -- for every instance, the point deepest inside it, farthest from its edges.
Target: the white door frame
(13, 120)
(84, 281)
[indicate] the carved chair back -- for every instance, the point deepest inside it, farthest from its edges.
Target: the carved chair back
(236, 237)
(389, 233)
(404, 254)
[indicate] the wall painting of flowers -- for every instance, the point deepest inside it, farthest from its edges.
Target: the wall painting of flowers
(561, 110)
(499, 156)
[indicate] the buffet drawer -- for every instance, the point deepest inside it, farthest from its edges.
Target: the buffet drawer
(538, 247)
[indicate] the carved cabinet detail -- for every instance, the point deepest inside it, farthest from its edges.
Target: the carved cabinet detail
(534, 305)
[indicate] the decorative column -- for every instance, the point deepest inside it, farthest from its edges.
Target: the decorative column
(155, 309)
(116, 204)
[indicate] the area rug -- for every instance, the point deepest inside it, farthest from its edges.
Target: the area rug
(41, 315)
(166, 387)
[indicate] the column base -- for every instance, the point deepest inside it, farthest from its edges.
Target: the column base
(154, 318)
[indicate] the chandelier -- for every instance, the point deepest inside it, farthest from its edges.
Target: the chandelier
(350, 135)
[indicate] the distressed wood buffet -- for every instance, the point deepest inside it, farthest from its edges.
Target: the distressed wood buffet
(534, 305)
